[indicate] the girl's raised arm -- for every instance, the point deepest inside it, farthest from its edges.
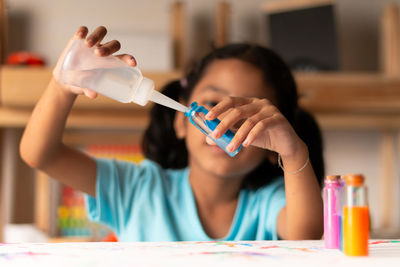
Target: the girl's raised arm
(41, 145)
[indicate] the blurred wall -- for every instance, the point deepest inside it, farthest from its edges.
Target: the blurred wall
(43, 26)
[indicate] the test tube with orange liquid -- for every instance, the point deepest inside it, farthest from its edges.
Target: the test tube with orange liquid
(355, 216)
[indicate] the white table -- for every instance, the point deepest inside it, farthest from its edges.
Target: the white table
(383, 253)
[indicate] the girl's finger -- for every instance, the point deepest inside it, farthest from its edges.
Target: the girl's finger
(89, 93)
(244, 130)
(257, 130)
(226, 104)
(96, 37)
(108, 48)
(81, 32)
(233, 116)
(129, 59)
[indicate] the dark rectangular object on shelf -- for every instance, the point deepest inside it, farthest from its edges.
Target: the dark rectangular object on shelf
(305, 38)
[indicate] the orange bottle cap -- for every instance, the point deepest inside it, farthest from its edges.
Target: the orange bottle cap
(354, 179)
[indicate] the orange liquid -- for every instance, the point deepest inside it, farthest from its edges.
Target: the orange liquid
(355, 230)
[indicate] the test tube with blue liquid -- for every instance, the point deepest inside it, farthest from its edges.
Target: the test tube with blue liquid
(197, 115)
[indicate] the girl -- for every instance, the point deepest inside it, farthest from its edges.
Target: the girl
(189, 188)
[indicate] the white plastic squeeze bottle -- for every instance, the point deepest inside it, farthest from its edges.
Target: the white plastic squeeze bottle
(111, 77)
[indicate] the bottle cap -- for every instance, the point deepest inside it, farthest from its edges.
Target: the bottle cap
(354, 179)
(142, 93)
(332, 177)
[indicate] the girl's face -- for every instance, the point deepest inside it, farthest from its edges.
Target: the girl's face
(226, 77)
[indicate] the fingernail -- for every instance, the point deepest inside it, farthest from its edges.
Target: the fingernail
(215, 134)
(209, 116)
(229, 148)
(100, 50)
(80, 34)
(246, 142)
(90, 42)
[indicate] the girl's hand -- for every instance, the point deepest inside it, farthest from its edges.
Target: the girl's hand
(94, 39)
(263, 126)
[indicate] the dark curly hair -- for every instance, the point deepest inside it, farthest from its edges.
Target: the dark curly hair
(161, 145)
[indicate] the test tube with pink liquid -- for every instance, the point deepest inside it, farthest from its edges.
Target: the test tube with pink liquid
(332, 211)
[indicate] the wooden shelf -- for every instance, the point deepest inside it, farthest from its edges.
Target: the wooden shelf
(338, 100)
(289, 5)
(83, 119)
(22, 87)
(351, 93)
(343, 121)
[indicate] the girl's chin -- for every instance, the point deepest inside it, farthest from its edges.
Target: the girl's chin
(221, 164)
(222, 167)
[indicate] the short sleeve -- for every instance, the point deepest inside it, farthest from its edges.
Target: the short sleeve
(116, 186)
(277, 201)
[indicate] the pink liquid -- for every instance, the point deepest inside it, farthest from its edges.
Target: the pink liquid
(332, 217)
(332, 227)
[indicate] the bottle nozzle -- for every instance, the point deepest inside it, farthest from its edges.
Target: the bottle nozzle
(164, 100)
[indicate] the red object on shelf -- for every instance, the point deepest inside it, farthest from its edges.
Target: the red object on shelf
(25, 58)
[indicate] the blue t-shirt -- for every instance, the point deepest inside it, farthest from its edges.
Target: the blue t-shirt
(145, 202)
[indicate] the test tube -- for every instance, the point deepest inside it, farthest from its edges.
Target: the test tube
(332, 211)
(196, 116)
(355, 216)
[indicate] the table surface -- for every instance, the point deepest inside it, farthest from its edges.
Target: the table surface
(242, 253)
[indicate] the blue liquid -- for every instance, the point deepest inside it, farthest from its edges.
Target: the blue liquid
(208, 126)
(225, 139)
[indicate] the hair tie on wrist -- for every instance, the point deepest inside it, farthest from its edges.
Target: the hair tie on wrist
(294, 172)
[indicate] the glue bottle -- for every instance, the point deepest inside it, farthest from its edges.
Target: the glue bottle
(355, 216)
(332, 211)
(110, 77)
(196, 116)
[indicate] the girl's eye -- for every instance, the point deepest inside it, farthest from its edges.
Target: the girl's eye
(210, 103)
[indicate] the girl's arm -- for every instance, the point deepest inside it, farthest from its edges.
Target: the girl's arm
(266, 127)
(41, 145)
(302, 217)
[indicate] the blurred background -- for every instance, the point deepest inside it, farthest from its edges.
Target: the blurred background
(44, 26)
(345, 55)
